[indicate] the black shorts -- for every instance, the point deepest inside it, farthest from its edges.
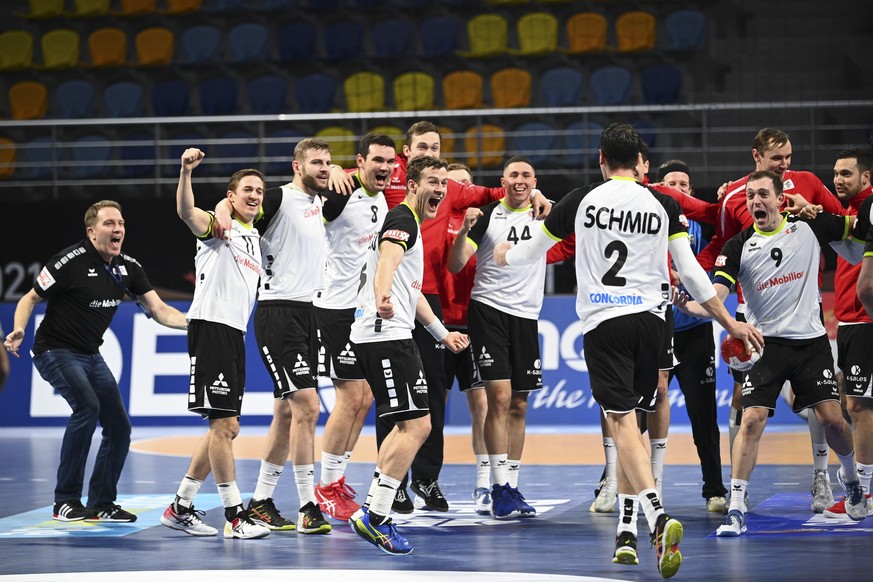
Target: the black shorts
(396, 377)
(287, 339)
(808, 366)
(622, 365)
(218, 369)
(505, 347)
(461, 366)
(337, 359)
(668, 355)
(855, 358)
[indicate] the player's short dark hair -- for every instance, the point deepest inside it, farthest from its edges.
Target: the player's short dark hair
(768, 138)
(621, 145)
(760, 174)
(514, 159)
(233, 184)
(307, 145)
(374, 139)
(416, 167)
(863, 156)
(91, 213)
(421, 128)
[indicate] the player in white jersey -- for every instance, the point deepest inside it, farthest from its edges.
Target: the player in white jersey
(292, 245)
(391, 301)
(227, 272)
(776, 261)
(351, 224)
(623, 231)
(504, 308)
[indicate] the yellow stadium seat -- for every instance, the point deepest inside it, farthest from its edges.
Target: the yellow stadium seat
(27, 100)
(414, 92)
(135, 7)
(154, 46)
(396, 133)
(60, 49)
(448, 139)
(107, 47)
(511, 87)
(16, 50)
(343, 144)
(635, 31)
(7, 157)
(87, 8)
(488, 35)
(537, 34)
(485, 149)
(182, 6)
(43, 9)
(365, 91)
(463, 90)
(586, 33)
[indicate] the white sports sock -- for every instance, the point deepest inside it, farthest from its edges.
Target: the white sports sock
(850, 473)
(499, 470)
(651, 505)
(483, 472)
(303, 478)
(229, 494)
(513, 470)
(268, 478)
(372, 490)
(659, 449)
(864, 474)
(332, 467)
(628, 505)
(738, 494)
(383, 497)
(819, 442)
(188, 489)
(611, 455)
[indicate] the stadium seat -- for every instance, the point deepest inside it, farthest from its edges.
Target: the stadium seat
(506, 2)
(318, 5)
(37, 158)
(236, 150)
(582, 144)
(135, 7)
(89, 156)
(398, 134)
(610, 85)
(27, 100)
(175, 7)
(635, 31)
(315, 93)
(647, 130)
(463, 90)
(154, 46)
(537, 34)
(487, 35)
(107, 47)
(124, 99)
(8, 155)
(343, 40)
(537, 141)
(685, 30)
(89, 8)
(439, 36)
(485, 148)
(279, 149)
(171, 151)
(74, 99)
(511, 87)
(43, 9)
(448, 139)
(139, 156)
(368, 4)
(586, 33)
(267, 95)
(201, 44)
(296, 41)
(661, 83)
(392, 38)
(414, 91)
(60, 49)
(270, 5)
(219, 6)
(343, 144)
(249, 43)
(218, 96)
(170, 98)
(365, 91)
(561, 87)
(16, 50)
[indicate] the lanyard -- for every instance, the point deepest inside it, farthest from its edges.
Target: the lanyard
(116, 276)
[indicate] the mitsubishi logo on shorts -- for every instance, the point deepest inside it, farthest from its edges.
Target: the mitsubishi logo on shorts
(347, 352)
(420, 384)
(347, 356)
(220, 382)
(485, 358)
(300, 363)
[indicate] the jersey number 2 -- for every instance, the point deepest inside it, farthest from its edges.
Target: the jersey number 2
(611, 277)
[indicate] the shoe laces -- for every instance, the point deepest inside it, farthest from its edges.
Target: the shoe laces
(343, 489)
(433, 489)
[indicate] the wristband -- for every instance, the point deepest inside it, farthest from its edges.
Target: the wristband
(437, 330)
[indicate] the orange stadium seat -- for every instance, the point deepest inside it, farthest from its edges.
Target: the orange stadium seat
(60, 49)
(181, 6)
(154, 46)
(537, 34)
(586, 33)
(463, 90)
(135, 7)
(635, 31)
(107, 47)
(511, 87)
(488, 35)
(7, 157)
(485, 148)
(16, 50)
(365, 91)
(414, 91)
(27, 100)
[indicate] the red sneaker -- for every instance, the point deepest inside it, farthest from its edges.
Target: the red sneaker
(337, 499)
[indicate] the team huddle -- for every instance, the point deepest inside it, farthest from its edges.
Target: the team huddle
(396, 278)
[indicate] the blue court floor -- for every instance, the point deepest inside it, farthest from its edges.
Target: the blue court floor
(786, 541)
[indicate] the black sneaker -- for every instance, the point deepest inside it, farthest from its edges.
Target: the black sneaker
(310, 520)
(402, 502)
(265, 513)
(430, 494)
(625, 549)
(69, 511)
(666, 537)
(113, 513)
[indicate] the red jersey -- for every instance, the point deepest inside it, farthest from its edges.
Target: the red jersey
(455, 288)
(847, 307)
(395, 191)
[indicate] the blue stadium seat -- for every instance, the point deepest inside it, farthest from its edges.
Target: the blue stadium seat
(218, 96)
(610, 85)
(239, 153)
(280, 146)
(124, 99)
(249, 43)
(177, 144)
(74, 99)
(267, 94)
(89, 156)
(561, 87)
(685, 30)
(439, 36)
(315, 93)
(582, 144)
(647, 130)
(201, 44)
(171, 98)
(392, 38)
(36, 158)
(138, 154)
(343, 40)
(661, 83)
(537, 141)
(296, 41)
(219, 6)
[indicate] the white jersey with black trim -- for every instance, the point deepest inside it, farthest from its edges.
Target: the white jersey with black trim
(402, 228)
(227, 277)
(516, 290)
(351, 225)
(292, 245)
(778, 272)
(622, 232)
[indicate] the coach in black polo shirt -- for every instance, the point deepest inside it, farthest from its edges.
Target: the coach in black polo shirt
(83, 285)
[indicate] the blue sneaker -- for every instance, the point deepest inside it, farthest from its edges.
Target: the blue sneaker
(503, 502)
(385, 536)
(733, 525)
(524, 508)
(482, 498)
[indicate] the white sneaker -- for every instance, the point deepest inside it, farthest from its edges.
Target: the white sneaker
(856, 501)
(243, 528)
(822, 496)
(733, 525)
(482, 499)
(605, 501)
(187, 521)
(716, 504)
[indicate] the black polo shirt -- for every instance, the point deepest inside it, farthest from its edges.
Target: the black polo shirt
(82, 296)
